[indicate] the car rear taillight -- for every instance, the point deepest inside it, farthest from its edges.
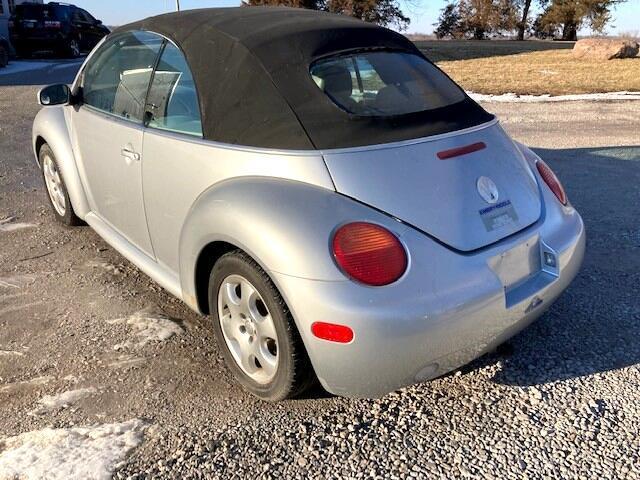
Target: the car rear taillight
(552, 181)
(52, 24)
(332, 332)
(369, 253)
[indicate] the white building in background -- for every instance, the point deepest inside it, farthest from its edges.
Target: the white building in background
(6, 9)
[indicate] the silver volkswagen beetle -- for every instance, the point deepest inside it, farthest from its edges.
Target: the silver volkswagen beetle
(336, 204)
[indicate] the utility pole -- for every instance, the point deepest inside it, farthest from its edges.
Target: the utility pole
(177, 5)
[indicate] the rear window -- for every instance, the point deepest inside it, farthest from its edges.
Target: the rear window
(42, 12)
(384, 83)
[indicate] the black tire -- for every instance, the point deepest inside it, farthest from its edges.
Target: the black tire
(23, 52)
(294, 374)
(4, 56)
(69, 217)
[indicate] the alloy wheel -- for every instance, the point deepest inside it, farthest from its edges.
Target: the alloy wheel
(74, 47)
(248, 328)
(53, 181)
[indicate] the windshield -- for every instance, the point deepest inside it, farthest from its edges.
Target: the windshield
(384, 83)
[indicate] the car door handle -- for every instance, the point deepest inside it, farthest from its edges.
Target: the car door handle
(130, 154)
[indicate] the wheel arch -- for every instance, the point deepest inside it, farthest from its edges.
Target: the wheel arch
(283, 225)
(207, 258)
(50, 127)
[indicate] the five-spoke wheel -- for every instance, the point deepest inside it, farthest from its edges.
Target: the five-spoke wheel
(56, 188)
(248, 328)
(258, 338)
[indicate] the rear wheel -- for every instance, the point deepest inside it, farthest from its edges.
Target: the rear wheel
(56, 188)
(4, 56)
(255, 330)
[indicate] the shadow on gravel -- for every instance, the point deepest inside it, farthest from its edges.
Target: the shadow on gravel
(594, 326)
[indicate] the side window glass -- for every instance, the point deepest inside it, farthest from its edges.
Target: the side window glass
(173, 103)
(88, 17)
(117, 77)
(76, 16)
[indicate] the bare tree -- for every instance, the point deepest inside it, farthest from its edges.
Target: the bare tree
(381, 12)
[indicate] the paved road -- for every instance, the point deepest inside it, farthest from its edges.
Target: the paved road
(42, 71)
(563, 403)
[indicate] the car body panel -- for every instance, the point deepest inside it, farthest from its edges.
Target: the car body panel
(197, 169)
(105, 147)
(285, 225)
(447, 310)
(440, 197)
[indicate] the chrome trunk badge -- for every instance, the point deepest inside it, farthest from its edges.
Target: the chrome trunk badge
(487, 190)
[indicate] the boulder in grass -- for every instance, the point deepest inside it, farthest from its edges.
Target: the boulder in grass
(605, 48)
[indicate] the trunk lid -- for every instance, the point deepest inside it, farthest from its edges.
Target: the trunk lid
(450, 196)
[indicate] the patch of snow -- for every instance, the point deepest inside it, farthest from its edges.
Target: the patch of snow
(124, 361)
(15, 308)
(62, 400)
(513, 97)
(34, 382)
(106, 266)
(10, 353)
(150, 325)
(9, 225)
(17, 281)
(69, 453)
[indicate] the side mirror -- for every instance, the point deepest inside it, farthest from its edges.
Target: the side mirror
(54, 95)
(98, 22)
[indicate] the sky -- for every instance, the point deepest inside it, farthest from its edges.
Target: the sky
(626, 17)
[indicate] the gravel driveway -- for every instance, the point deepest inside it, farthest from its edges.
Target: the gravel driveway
(111, 375)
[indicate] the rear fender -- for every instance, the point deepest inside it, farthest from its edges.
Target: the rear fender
(51, 126)
(284, 225)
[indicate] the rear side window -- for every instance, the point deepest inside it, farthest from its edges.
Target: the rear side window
(29, 12)
(173, 103)
(384, 83)
(117, 76)
(42, 12)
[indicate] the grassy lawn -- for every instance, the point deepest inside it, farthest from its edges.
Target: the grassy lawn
(529, 68)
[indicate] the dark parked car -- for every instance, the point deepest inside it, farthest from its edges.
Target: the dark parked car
(63, 28)
(4, 52)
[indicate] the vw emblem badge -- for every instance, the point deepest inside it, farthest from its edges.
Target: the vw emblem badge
(487, 189)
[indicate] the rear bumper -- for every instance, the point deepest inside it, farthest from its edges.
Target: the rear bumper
(446, 311)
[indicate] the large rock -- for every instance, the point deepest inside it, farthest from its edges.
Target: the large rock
(605, 48)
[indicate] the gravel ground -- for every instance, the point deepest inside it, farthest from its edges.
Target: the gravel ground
(561, 400)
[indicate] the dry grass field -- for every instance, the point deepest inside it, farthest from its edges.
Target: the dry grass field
(532, 67)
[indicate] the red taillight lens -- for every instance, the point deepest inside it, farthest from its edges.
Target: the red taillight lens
(332, 332)
(552, 181)
(369, 253)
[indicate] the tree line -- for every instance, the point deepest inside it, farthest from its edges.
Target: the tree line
(477, 19)
(561, 19)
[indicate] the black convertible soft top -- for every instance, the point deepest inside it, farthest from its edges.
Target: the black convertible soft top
(251, 70)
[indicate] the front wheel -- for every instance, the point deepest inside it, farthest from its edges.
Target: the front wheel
(255, 330)
(56, 188)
